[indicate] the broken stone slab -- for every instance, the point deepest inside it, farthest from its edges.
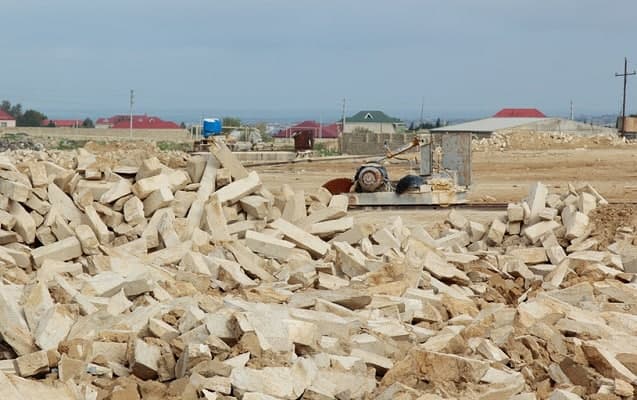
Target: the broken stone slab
(586, 203)
(332, 227)
(65, 205)
(25, 225)
(53, 327)
(301, 238)
(144, 187)
(33, 363)
(457, 220)
(15, 191)
(145, 360)
(88, 240)
(350, 260)
(63, 250)
(537, 201)
(120, 189)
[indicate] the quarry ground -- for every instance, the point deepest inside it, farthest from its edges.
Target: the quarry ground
(503, 175)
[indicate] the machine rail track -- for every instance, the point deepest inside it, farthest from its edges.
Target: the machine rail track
(467, 206)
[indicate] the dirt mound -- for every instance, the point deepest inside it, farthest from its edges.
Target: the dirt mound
(609, 218)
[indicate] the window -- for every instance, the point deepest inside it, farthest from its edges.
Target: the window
(3, 124)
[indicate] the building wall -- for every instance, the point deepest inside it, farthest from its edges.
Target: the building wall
(631, 124)
(372, 143)
(7, 124)
(332, 144)
(376, 127)
(175, 135)
(566, 126)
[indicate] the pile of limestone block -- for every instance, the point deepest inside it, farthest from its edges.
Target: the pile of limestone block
(199, 283)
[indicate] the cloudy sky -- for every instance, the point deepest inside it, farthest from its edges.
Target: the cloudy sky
(300, 58)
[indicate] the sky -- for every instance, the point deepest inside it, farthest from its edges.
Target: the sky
(298, 59)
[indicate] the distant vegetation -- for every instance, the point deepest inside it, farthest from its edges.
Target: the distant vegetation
(27, 118)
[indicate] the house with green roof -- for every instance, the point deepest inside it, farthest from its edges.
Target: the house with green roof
(374, 121)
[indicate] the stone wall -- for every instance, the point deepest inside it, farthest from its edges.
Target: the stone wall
(174, 135)
(372, 143)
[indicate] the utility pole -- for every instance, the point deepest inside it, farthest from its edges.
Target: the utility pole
(625, 75)
(343, 118)
(422, 110)
(132, 101)
(572, 110)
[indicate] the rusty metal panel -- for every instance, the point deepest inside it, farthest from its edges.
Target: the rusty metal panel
(456, 154)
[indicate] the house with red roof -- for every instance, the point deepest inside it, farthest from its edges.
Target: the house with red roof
(6, 120)
(63, 123)
(139, 122)
(320, 131)
(519, 113)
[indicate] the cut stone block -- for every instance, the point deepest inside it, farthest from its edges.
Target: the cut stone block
(215, 221)
(350, 260)
(64, 204)
(143, 188)
(515, 212)
(239, 188)
(530, 255)
(195, 168)
(63, 250)
(33, 364)
(457, 220)
(160, 198)
(536, 231)
(120, 189)
(332, 227)
(53, 327)
(496, 232)
(586, 203)
(99, 227)
(88, 240)
(294, 210)
(537, 201)
(302, 239)
(576, 225)
(269, 246)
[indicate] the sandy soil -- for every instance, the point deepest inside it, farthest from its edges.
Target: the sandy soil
(503, 175)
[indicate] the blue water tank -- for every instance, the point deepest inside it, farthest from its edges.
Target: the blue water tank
(211, 127)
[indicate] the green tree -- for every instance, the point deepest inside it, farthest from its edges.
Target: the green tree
(51, 124)
(231, 122)
(5, 106)
(30, 118)
(182, 125)
(438, 124)
(88, 123)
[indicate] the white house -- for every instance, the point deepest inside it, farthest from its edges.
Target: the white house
(6, 120)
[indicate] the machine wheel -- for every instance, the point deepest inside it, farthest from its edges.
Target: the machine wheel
(370, 177)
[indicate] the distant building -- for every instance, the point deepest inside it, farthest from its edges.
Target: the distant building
(320, 131)
(374, 121)
(519, 113)
(139, 122)
(63, 123)
(488, 126)
(6, 120)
